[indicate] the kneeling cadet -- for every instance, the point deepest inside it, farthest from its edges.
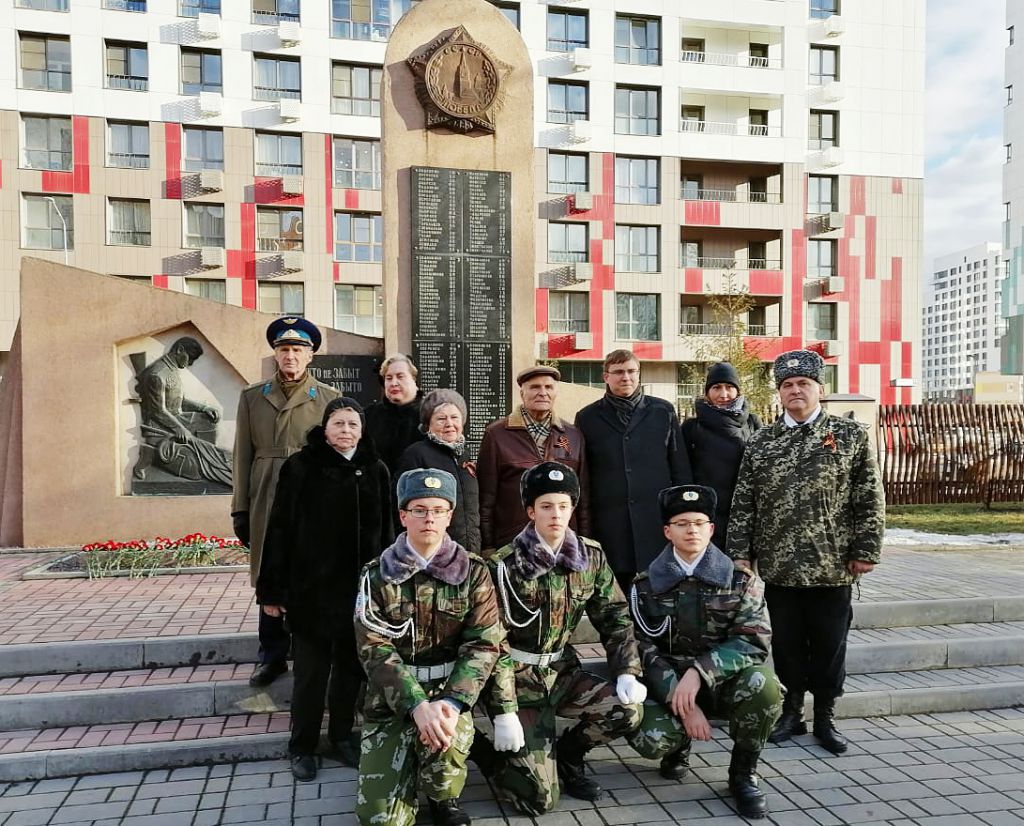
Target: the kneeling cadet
(703, 632)
(428, 637)
(546, 578)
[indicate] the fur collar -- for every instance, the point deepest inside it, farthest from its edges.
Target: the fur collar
(714, 569)
(531, 559)
(316, 446)
(450, 562)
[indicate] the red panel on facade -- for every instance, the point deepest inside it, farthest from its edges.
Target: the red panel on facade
(648, 349)
(693, 281)
(766, 282)
(857, 196)
(271, 191)
(708, 213)
(897, 186)
(329, 200)
(77, 180)
(351, 199)
(870, 245)
(797, 276)
(562, 346)
(248, 218)
(160, 281)
(172, 160)
(337, 272)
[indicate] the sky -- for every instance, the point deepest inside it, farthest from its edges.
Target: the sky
(964, 99)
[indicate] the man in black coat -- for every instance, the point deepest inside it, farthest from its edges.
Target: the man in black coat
(633, 452)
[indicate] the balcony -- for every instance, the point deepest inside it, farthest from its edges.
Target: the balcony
(742, 265)
(732, 196)
(278, 170)
(132, 83)
(744, 61)
(272, 18)
(756, 130)
(127, 160)
(275, 93)
(727, 329)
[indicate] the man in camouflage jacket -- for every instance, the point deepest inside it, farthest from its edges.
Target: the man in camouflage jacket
(428, 637)
(703, 632)
(546, 578)
(810, 511)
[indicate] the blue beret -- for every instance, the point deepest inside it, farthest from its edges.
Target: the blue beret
(424, 483)
(687, 499)
(293, 330)
(549, 477)
(804, 363)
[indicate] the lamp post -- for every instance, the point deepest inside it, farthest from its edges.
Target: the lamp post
(63, 223)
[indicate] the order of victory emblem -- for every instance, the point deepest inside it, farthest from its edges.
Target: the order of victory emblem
(459, 82)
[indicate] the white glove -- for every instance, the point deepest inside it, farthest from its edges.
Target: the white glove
(508, 732)
(630, 690)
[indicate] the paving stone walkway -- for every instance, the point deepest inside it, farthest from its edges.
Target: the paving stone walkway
(926, 770)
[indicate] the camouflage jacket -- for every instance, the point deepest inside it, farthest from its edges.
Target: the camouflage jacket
(440, 622)
(808, 500)
(715, 621)
(556, 599)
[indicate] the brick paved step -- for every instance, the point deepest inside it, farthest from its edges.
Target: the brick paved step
(916, 648)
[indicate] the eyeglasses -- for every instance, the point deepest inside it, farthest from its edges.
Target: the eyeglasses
(633, 372)
(690, 523)
(423, 513)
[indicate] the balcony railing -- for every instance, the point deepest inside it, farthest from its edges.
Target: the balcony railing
(126, 160)
(129, 238)
(730, 263)
(133, 83)
(275, 93)
(566, 256)
(353, 30)
(198, 241)
(193, 8)
(125, 5)
(52, 159)
(730, 195)
(725, 59)
(278, 170)
(729, 128)
(272, 18)
(279, 244)
(43, 5)
(726, 329)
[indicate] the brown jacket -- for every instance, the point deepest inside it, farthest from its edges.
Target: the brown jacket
(506, 451)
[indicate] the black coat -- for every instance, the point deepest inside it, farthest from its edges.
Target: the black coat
(331, 516)
(628, 467)
(465, 526)
(393, 427)
(715, 441)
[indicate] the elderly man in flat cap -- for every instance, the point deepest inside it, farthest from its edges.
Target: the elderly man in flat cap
(531, 434)
(810, 511)
(273, 419)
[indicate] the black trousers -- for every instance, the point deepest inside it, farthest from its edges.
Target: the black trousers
(323, 665)
(809, 630)
(274, 638)
(625, 580)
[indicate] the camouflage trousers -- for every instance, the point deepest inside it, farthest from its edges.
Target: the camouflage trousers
(528, 779)
(394, 766)
(751, 702)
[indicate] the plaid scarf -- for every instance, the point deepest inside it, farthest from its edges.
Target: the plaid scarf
(539, 431)
(457, 447)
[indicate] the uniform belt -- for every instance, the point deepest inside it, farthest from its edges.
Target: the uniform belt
(530, 658)
(426, 673)
(275, 452)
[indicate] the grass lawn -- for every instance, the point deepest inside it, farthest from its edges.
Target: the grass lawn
(1004, 517)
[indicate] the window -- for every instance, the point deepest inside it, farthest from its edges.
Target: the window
(200, 72)
(757, 255)
(691, 319)
(567, 102)
(44, 229)
(822, 194)
(127, 66)
(567, 30)
(128, 145)
(43, 5)
(692, 50)
(830, 379)
(824, 65)
(278, 230)
(820, 259)
(821, 322)
(282, 298)
(212, 289)
(45, 63)
(758, 187)
(358, 236)
(638, 40)
(692, 253)
(757, 55)
(357, 163)
(567, 172)
(510, 10)
(47, 142)
(637, 249)
(359, 309)
(271, 12)
(637, 181)
(824, 8)
(590, 373)
(822, 129)
(277, 78)
(692, 119)
(193, 8)
(692, 187)
(758, 122)
(366, 19)
(567, 243)
(125, 5)
(128, 223)
(568, 312)
(278, 155)
(637, 111)
(204, 225)
(355, 90)
(636, 317)
(204, 149)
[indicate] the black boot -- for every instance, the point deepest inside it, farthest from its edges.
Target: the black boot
(347, 750)
(750, 800)
(572, 771)
(825, 727)
(448, 813)
(676, 764)
(791, 722)
(483, 754)
(303, 767)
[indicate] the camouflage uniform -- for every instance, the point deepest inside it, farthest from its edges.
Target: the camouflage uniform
(439, 623)
(540, 611)
(714, 621)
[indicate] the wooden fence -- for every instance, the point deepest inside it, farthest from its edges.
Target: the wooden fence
(951, 453)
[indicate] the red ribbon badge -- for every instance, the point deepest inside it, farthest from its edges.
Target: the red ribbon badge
(830, 442)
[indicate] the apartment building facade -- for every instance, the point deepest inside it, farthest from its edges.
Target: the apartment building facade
(683, 151)
(1012, 345)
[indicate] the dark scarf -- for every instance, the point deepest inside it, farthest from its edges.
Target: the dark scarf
(625, 407)
(450, 562)
(531, 559)
(457, 447)
(735, 406)
(666, 572)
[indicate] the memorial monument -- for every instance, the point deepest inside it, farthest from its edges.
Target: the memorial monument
(457, 111)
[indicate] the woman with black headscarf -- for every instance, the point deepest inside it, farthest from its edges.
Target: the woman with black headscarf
(717, 436)
(331, 515)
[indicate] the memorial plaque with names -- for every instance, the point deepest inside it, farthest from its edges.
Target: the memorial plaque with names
(354, 376)
(461, 288)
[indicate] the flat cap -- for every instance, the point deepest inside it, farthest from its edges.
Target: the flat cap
(687, 499)
(426, 483)
(804, 363)
(528, 373)
(549, 477)
(293, 330)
